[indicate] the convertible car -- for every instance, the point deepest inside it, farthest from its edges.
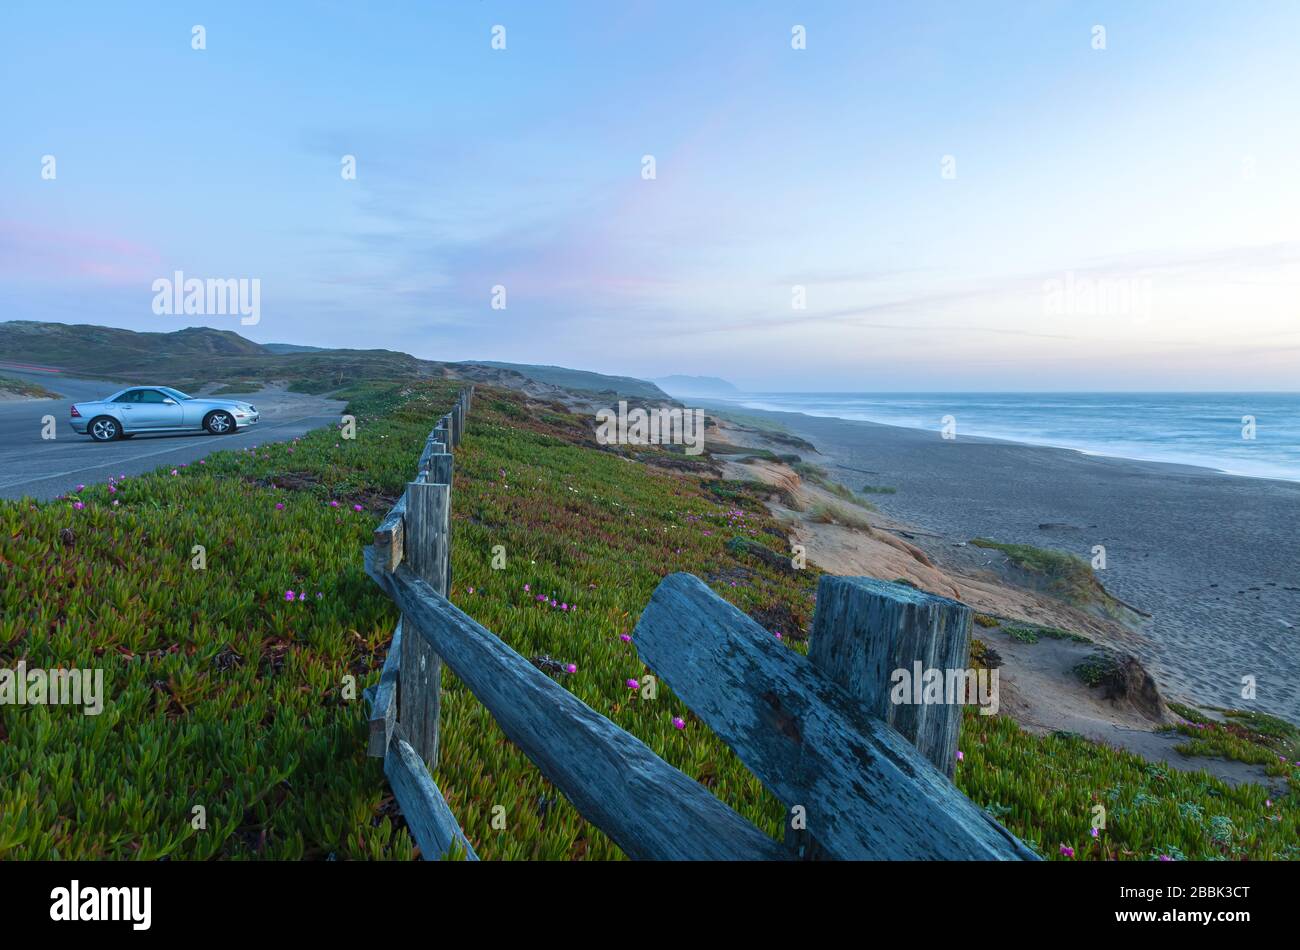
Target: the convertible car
(159, 409)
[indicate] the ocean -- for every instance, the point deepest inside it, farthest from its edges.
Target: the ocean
(1252, 434)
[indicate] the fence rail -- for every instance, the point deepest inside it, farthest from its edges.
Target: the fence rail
(866, 778)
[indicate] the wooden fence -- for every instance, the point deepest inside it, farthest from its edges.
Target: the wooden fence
(863, 777)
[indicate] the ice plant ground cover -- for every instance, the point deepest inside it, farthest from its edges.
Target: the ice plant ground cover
(225, 686)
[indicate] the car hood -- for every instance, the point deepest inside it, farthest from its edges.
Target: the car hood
(232, 404)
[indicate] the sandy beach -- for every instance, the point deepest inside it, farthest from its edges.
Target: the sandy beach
(1213, 559)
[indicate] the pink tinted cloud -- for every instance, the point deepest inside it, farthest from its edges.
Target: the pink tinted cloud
(32, 252)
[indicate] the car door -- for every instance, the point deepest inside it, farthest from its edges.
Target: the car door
(155, 410)
(127, 405)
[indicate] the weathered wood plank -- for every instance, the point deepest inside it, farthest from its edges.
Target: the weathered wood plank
(865, 791)
(440, 473)
(383, 706)
(428, 509)
(390, 535)
(449, 423)
(422, 465)
(650, 809)
(427, 814)
(865, 629)
(439, 465)
(432, 450)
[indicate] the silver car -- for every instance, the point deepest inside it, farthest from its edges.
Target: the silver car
(159, 409)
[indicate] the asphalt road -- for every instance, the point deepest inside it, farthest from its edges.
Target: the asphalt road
(32, 467)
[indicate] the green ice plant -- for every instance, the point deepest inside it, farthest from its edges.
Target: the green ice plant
(227, 687)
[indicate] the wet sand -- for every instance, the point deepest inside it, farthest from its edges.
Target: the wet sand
(1213, 558)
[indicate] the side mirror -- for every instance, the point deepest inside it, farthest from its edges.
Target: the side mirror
(168, 401)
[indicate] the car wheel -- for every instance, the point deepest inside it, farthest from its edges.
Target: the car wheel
(219, 423)
(104, 429)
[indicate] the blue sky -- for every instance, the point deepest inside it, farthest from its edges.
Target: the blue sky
(1156, 180)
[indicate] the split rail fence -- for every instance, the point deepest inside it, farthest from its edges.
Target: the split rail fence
(863, 777)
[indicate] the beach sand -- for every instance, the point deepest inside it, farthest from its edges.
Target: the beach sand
(1213, 559)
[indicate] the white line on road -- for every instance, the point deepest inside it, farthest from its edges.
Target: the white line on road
(135, 458)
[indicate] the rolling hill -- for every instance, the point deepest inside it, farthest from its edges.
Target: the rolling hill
(195, 356)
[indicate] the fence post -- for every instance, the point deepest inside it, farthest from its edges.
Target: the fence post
(448, 422)
(864, 629)
(439, 473)
(428, 513)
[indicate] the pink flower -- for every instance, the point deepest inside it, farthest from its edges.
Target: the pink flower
(319, 594)
(112, 489)
(633, 684)
(564, 606)
(279, 506)
(679, 722)
(115, 501)
(1268, 803)
(80, 487)
(78, 505)
(625, 637)
(203, 461)
(961, 756)
(288, 595)
(471, 590)
(778, 634)
(357, 508)
(334, 504)
(571, 668)
(1067, 851)
(1096, 833)
(173, 471)
(1165, 857)
(527, 589)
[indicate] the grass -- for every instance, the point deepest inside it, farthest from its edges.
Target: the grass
(1046, 788)
(1066, 574)
(1032, 633)
(819, 477)
(24, 388)
(223, 694)
(830, 513)
(878, 490)
(1244, 736)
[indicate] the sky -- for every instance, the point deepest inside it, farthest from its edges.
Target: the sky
(927, 196)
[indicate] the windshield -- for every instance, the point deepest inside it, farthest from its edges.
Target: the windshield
(176, 393)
